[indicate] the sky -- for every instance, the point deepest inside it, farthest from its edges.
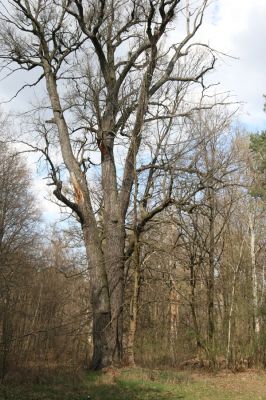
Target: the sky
(234, 27)
(238, 28)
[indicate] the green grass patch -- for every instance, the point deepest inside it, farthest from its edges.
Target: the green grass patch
(142, 384)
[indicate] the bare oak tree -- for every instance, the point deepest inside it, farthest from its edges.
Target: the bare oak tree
(112, 75)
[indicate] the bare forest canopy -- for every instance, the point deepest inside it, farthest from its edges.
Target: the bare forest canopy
(161, 261)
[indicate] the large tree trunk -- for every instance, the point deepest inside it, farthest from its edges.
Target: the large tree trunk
(114, 234)
(106, 258)
(114, 261)
(101, 310)
(107, 289)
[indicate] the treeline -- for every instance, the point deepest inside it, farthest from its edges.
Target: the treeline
(199, 280)
(194, 282)
(44, 304)
(140, 149)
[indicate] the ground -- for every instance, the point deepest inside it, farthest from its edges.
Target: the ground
(143, 384)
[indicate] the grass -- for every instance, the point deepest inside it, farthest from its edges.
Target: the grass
(140, 384)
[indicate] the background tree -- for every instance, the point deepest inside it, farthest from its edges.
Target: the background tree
(18, 219)
(258, 166)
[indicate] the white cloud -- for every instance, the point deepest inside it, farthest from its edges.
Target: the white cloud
(239, 29)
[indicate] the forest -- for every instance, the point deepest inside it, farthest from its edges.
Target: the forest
(156, 262)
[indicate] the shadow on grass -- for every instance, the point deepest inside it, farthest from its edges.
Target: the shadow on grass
(131, 391)
(118, 391)
(42, 392)
(94, 386)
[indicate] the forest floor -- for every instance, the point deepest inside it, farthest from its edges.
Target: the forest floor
(143, 384)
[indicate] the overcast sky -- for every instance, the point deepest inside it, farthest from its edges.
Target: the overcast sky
(234, 27)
